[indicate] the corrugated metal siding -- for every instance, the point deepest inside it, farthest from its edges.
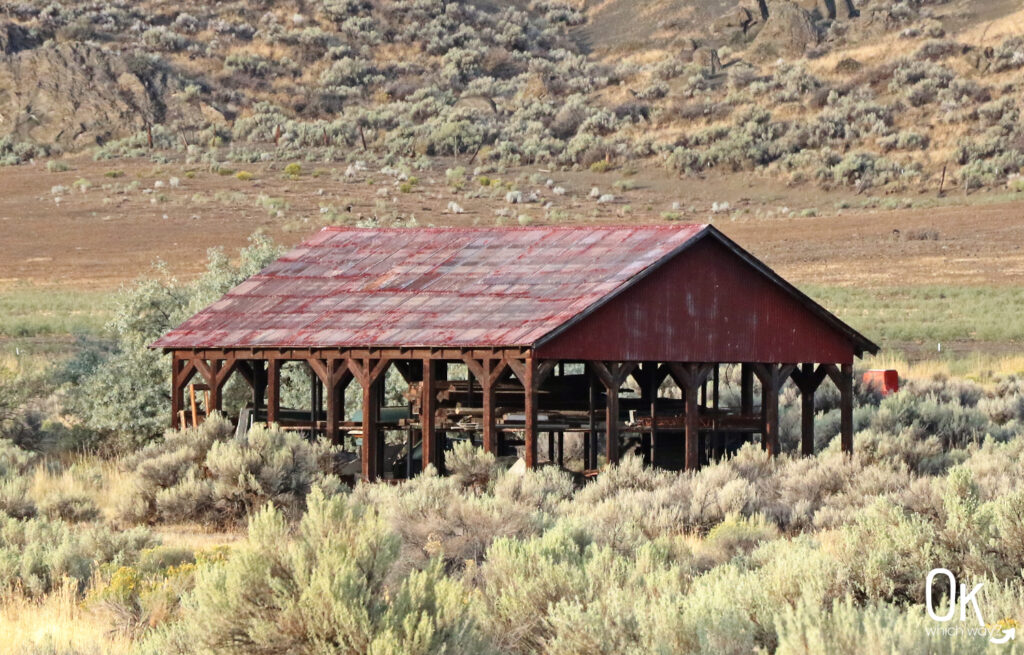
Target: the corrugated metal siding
(476, 287)
(706, 305)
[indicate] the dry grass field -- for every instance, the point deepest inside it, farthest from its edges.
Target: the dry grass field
(911, 270)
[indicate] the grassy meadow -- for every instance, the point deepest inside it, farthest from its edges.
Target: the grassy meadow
(31, 312)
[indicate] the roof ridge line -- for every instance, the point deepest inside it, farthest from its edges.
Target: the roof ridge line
(515, 228)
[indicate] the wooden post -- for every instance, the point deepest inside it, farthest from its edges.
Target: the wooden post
(692, 427)
(332, 375)
(590, 442)
(807, 414)
(715, 386)
(652, 392)
(770, 397)
(611, 424)
(746, 389)
(371, 445)
(216, 373)
(690, 378)
(214, 400)
(176, 398)
(530, 409)
(612, 375)
(772, 377)
(428, 415)
(182, 371)
(532, 375)
(192, 403)
(846, 408)
(490, 431)
(764, 417)
(335, 401)
(273, 390)
(259, 386)
(370, 374)
(808, 379)
(314, 409)
(487, 372)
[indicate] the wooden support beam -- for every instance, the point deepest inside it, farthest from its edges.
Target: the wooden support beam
(846, 408)
(715, 386)
(530, 428)
(182, 370)
(690, 377)
(371, 436)
(216, 374)
(612, 375)
(259, 385)
(370, 373)
(487, 372)
(842, 377)
(653, 384)
(273, 390)
(314, 407)
(531, 374)
(428, 415)
(746, 389)
(334, 376)
(590, 442)
(772, 377)
(808, 379)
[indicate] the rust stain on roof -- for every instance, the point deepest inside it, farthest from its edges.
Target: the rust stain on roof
(443, 287)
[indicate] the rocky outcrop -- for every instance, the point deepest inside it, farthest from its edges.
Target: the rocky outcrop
(828, 9)
(76, 94)
(15, 38)
(789, 30)
(708, 60)
(794, 23)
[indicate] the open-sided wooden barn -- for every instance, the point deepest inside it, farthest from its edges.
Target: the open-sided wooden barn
(552, 324)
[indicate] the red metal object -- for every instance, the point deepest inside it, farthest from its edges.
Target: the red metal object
(708, 304)
(887, 381)
(639, 293)
(428, 287)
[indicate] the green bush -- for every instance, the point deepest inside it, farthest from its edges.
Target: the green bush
(121, 396)
(35, 554)
(206, 475)
(329, 581)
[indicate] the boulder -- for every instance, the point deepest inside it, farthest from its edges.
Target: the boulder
(789, 30)
(687, 44)
(15, 38)
(846, 9)
(707, 59)
(827, 9)
(736, 20)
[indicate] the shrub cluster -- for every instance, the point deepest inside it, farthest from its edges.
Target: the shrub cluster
(207, 475)
(747, 554)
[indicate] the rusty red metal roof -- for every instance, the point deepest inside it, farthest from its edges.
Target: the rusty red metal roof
(440, 287)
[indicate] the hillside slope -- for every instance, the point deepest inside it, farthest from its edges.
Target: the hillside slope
(868, 93)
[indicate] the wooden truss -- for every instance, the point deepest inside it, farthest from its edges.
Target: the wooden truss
(335, 369)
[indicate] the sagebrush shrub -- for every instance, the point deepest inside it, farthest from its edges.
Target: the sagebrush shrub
(328, 581)
(205, 474)
(35, 554)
